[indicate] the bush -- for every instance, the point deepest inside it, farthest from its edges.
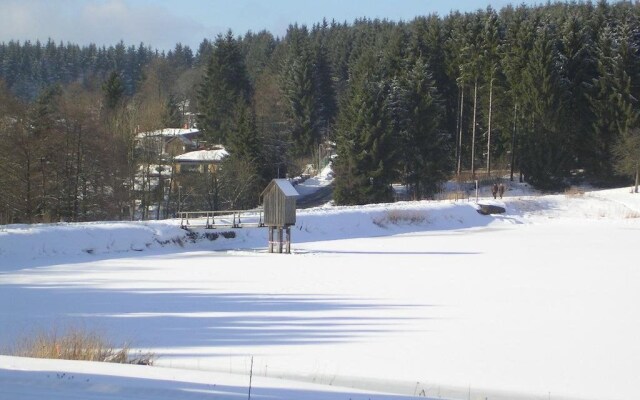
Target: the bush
(76, 344)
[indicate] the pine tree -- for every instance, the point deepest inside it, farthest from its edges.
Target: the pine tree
(244, 142)
(471, 71)
(113, 91)
(578, 71)
(224, 84)
(613, 103)
(490, 60)
(299, 88)
(627, 155)
(324, 92)
(257, 49)
(366, 148)
(454, 24)
(339, 45)
(246, 151)
(433, 52)
(519, 36)
(545, 148)
(173, 116)
(425, 148)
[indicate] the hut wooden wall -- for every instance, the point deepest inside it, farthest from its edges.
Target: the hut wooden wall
(279, 210)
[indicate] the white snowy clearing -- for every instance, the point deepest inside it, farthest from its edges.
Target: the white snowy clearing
(392, 301)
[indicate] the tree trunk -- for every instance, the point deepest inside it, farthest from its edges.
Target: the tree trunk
(473, 130)
(489, 128)
(28, 209)
(459, 144)
(637, 176)
(167, 203)
(160, 194)
(146, 185)
(76, 181)
(131, 170)
(513, 140)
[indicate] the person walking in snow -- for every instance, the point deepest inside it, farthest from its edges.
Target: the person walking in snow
(494, 190)
(501, 190)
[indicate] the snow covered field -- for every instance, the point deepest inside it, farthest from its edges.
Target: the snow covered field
(415, 299)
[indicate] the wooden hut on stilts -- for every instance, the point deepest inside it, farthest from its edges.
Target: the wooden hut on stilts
(279, 205)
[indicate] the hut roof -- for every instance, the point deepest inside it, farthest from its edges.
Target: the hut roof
(285, 187)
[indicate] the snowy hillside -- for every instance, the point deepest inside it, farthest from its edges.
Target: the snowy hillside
(412, 299)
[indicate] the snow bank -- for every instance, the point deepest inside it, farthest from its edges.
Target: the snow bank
(64, 239)
(25, 242)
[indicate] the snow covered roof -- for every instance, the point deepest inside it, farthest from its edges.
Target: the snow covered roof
(183, 139)
(285, 187)
(203, 155)
(169, 132)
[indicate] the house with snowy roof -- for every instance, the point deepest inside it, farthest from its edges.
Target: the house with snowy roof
(168, 141)
(200, 160)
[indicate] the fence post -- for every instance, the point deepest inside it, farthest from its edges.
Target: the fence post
(476, 190)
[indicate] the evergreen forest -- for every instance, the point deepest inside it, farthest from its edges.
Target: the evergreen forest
(545, 94)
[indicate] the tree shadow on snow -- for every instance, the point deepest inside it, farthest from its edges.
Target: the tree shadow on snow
(174, 319)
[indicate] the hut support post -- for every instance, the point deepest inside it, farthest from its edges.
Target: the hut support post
(288, 240)
(280, 239)
(271, 239)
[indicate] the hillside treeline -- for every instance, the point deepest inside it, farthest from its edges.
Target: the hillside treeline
(547, 93)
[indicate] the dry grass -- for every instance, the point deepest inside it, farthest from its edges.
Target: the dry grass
(397, 217)
(573, 191)
(632, 214)
(77, 344)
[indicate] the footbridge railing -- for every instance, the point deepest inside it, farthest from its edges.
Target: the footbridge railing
(221, 219)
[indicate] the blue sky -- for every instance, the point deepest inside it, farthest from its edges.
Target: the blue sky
(163, 23)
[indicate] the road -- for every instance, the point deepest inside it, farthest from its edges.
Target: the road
(317, 198)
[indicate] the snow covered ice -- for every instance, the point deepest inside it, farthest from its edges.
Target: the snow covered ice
(385, 301)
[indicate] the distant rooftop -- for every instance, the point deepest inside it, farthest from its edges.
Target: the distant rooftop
(203, 155)
(169, 132)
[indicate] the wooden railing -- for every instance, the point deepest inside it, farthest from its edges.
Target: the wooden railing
(221, 219)
(457, 195)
